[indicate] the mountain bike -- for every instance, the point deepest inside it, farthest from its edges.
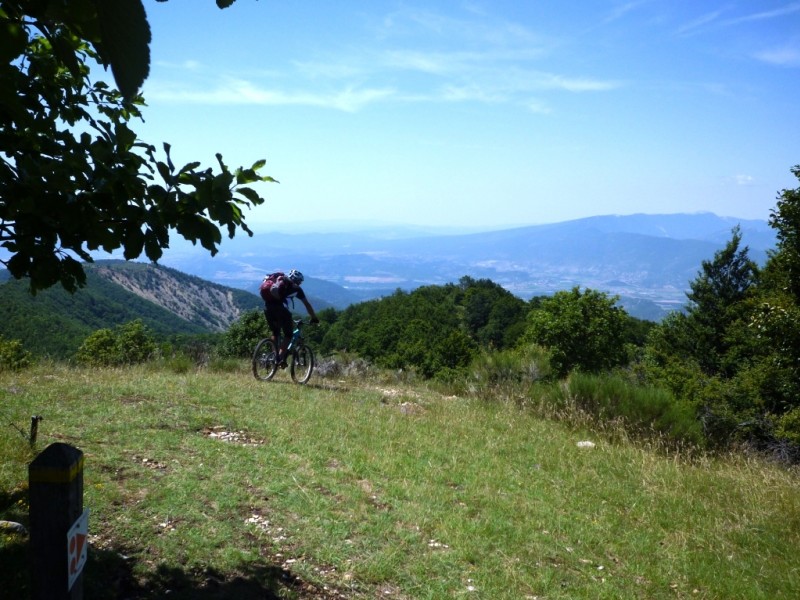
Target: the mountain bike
(299, 356)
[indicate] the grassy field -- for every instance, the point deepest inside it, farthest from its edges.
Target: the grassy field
(214, 485)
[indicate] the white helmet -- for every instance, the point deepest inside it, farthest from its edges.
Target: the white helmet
(295, 276)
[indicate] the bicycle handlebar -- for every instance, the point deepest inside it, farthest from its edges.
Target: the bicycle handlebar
(299, 322)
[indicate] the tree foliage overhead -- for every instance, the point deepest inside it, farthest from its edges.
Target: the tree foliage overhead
(74, 177)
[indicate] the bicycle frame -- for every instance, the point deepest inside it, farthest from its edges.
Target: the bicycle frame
(297, 337)
(299, 356)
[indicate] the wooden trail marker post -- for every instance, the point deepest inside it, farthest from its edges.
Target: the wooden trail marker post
(55, 480)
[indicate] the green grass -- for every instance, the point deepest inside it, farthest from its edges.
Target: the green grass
(215, 485)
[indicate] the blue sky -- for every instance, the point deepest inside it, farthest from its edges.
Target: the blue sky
(483, 114)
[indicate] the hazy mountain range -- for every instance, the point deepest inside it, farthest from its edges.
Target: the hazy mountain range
(648, 260)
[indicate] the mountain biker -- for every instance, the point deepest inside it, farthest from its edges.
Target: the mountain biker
(276, 289)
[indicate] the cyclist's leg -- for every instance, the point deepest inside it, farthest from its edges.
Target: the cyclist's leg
(274, 320)
(284, 318)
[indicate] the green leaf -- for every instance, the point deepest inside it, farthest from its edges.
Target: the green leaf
(222, 165)
(225, 3)
(164, 171)
(152, 246)
(72, 274)
(189, 167)
(125, 137)
(134, 241)
(251, 195)
(125, 43)
(246, 176)
(13, 40)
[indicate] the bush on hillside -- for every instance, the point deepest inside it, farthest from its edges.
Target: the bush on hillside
(241, 338)
(127, 344)
(13, 357)
(342, 364)
(98, 349)
(583, 330)
(529, 363)
(434, 331)
(789, 427)
(641, 410)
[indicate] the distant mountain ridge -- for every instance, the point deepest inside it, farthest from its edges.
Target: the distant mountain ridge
(648, 260)
(642, 258)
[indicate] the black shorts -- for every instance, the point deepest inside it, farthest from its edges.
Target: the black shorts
(279, 319)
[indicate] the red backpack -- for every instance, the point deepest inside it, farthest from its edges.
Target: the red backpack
(274, 288)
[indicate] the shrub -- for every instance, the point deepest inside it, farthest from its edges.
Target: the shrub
(342, 364)
(197, 348)
(98, 349)
(135, 343)
(789, 427)
(242, 336)
(13, 357)
(179, 363)
(224, 364)
(583, 330)
(641, 409)
(128, 344)
(527, 364)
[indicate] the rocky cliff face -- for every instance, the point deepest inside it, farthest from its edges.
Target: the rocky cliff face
(207, 304)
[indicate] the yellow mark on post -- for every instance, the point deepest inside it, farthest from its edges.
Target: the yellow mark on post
(55, 475)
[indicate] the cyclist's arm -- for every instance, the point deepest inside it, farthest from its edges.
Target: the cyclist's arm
(301, 295)
(310, 310)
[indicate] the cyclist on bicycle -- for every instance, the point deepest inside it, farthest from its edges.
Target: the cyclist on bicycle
(276, 289)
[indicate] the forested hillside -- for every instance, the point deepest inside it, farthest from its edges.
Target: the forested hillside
(439, 331)
(55, 322)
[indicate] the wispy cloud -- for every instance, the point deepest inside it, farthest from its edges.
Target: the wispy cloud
(765, 15)
(783, 57)
(187, 65)
(469, 93)
(240, 92)
(624, 9)
(411, 25)
(718, 19)
(351, 86)
(314, 69)
(700, 23)
(454, 63)
(416, 56)
(538, 107)
(577, 84)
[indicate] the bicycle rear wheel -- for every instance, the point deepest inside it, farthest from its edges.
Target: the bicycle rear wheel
(302, 364)
(265, 360)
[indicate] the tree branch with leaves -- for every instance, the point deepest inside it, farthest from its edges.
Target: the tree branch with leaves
(74, 176)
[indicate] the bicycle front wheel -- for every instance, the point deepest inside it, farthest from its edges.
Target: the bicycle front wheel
(302, 364)
(265, 360)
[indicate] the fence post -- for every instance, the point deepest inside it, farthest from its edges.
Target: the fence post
(34, 429)
(55, 480)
